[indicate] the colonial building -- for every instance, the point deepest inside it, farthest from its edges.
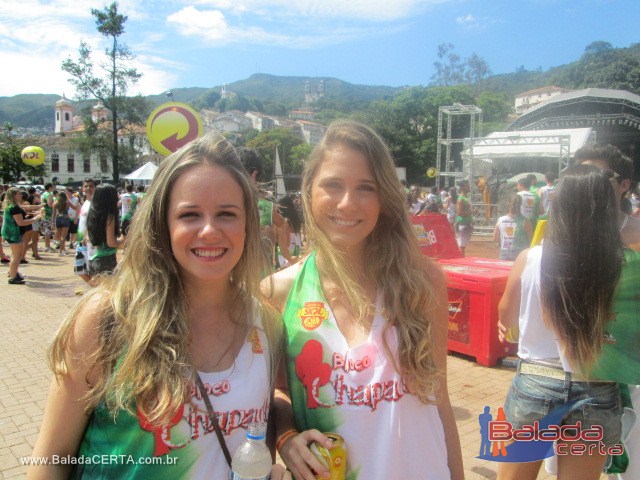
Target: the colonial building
(308, 115)
(312, 132)
(260, 121)
(531, 98)
(65, 163)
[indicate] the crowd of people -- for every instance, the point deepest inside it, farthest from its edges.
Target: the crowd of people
(63, 216)
(318, 313)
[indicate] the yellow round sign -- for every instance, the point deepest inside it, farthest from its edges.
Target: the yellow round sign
(431, 172)
(33, 156)
(171, 126)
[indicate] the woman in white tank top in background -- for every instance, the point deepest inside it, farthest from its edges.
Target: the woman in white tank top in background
(560, 296)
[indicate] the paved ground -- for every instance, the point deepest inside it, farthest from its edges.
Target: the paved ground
(31, 312)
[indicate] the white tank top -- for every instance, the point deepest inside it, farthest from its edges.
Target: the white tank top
(357, 392)
(546, 193)
(537, 341)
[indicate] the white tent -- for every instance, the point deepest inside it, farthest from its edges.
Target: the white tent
(527, 144)
(523, 148)
(145, 172)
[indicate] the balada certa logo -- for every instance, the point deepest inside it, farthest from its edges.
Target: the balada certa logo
(545, 438)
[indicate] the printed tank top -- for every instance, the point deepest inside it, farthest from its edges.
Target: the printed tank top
(357, 392)
(130, 447)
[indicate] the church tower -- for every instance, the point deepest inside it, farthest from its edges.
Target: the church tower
(99, 113)
(64, 116)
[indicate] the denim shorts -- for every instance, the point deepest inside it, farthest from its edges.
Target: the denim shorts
(531, 397)
(62, 222)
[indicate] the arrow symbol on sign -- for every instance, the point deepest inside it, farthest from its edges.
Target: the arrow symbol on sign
(173, 143)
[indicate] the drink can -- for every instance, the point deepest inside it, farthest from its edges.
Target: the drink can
(513, 334)
(334, 458)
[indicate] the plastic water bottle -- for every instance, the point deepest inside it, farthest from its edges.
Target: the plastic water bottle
(252, 460)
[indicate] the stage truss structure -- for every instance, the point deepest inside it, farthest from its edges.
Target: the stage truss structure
(446, 170)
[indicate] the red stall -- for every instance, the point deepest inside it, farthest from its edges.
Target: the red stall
(435, 236)
(474, 294)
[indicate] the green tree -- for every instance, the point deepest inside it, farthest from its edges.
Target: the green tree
(603, 66)
(299, 156)
(285, 140)
(111, 90)
(11, 165)
(452, 70)
(207, 100)
(236, 102)
(409, 124)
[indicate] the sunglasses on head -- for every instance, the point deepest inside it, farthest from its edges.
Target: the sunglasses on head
(611, 175)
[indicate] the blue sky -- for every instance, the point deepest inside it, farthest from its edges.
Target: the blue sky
(205, 43)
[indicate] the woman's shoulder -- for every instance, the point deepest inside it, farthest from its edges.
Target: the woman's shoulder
(276, 287)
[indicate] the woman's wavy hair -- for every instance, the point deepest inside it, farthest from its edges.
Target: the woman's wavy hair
(10, 198)
(393, 257)
(143, 358)
(581, 263)
(104, 205)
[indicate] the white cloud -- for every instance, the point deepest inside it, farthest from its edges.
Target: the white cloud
(470, 21)
(216, 28)
(369, 10)
(37, 35)
(38, 73)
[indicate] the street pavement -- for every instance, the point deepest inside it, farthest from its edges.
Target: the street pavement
(32, 312)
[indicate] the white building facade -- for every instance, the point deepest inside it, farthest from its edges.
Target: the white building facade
(529, 99)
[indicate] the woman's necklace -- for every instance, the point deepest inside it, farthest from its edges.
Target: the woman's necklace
(624, 222)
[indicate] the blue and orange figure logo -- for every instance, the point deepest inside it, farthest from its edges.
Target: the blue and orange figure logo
(545, 438)
(312, 315)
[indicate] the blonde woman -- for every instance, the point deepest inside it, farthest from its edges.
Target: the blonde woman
(13, 225)
(366, 324)
(178, 323)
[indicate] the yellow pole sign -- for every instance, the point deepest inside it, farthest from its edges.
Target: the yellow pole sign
(171, 126)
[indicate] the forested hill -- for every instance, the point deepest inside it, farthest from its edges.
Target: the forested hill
(601, 65)
(254, 92)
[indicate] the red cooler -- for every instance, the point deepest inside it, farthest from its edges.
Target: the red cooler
(435, 236)
(479, 262)
(474, 294)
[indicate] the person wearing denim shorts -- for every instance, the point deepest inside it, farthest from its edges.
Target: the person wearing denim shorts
(553, 374)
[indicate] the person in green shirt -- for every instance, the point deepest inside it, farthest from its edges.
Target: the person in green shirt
(47, 198)
(464, 220)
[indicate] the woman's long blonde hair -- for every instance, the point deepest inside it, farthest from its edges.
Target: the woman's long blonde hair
(393, 256)
(10, 199)
(143, 356)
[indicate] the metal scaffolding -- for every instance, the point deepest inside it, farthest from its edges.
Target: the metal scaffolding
(484, 223)
(446, 171)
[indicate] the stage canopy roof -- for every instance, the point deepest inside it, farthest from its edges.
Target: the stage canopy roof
(586, 107)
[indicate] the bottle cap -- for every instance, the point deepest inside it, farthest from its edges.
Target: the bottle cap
(256, 431)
